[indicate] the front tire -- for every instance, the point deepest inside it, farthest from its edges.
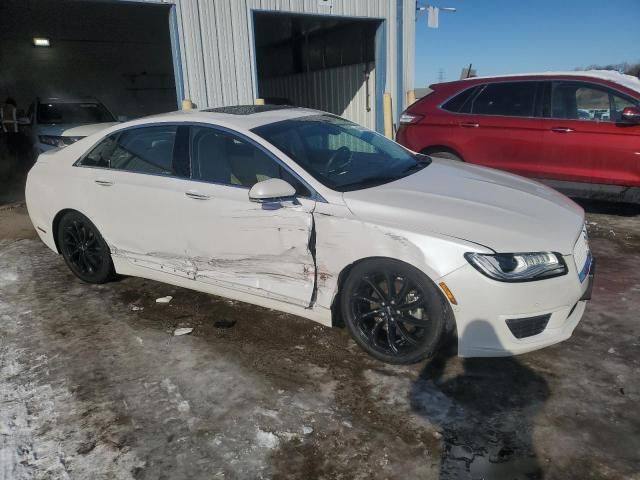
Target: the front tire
(393, 311)
(84, 250)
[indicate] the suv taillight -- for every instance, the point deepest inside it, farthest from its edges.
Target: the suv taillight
(409, 118)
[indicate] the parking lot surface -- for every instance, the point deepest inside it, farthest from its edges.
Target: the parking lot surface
(93, 384)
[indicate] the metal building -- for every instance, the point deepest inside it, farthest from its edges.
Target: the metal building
(334, 55)
(145, 56)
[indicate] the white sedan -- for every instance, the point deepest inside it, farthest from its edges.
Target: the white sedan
(308, 213)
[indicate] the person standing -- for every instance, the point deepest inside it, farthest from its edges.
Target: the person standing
(9, 122)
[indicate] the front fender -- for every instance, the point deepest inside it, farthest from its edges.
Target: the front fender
(342, 240)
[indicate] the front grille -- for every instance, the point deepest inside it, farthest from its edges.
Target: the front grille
(528, 327)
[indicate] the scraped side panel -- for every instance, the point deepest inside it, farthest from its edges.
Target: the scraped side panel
(343, 239)
(250, 249)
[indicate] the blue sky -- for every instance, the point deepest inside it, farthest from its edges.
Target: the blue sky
(517, 36)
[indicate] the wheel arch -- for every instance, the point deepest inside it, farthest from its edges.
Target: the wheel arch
(56, 222)
(336, 316)
(442, 148)
(448, 341)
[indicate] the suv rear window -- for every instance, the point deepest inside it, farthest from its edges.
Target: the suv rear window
(461, 103)
(512, 99)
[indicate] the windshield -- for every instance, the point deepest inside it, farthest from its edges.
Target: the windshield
(340, 154)
(51, 113)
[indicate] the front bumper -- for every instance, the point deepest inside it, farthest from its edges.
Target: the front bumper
(486, 307)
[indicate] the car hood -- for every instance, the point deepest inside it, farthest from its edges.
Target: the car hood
(498, 210)
(73, 129)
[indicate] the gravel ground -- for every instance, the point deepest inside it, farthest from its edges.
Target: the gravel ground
(93, 384)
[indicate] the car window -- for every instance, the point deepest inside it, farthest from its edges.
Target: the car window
(141, 150)
(620, 103)
(578, 101)
(220, 157)
(513, 99)
(317, 139)
(461, 103)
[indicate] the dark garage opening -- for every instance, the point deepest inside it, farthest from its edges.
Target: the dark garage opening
(327, 63)
(118, 52)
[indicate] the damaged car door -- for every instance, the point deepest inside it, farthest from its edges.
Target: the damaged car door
(132, 187)
(259, 248)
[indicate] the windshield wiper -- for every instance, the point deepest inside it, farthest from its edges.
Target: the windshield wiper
(415, 167)
(422, 161)
(381, 179)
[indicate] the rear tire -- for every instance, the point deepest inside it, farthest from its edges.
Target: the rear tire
(84, 250)
(393, 311)
(443, 154)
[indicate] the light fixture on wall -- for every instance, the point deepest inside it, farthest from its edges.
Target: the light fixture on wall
(41, 42)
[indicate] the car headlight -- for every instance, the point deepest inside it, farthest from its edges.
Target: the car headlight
(58, 141)
(518, 267)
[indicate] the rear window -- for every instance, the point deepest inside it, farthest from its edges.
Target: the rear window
(512, 99)
(461, 103)
(90, 112)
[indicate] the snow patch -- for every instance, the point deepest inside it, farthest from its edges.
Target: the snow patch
(8, 277)
(32, 414)
(426, 399)
(178, 332)
(267, 439)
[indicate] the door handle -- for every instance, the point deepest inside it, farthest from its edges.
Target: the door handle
(562, 130)
(103, 183)
(469, 125)
(197, 196)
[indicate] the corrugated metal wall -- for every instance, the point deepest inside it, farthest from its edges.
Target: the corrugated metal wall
(216, 43)
(341, 90)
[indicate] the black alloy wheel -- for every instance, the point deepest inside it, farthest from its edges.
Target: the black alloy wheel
(84, 250)
(393, 311)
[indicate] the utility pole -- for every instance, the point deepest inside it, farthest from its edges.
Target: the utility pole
(440, 76)
(433, 13)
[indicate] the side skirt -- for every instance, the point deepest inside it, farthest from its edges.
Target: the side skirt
(317, 313)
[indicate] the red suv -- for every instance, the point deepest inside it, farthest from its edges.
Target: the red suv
(578, 132)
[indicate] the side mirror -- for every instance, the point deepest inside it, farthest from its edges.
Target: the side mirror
(631, 114)
(122, 118)
(272, 190)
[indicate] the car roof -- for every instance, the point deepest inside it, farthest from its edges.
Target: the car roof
(238, 117)
(628, 81)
